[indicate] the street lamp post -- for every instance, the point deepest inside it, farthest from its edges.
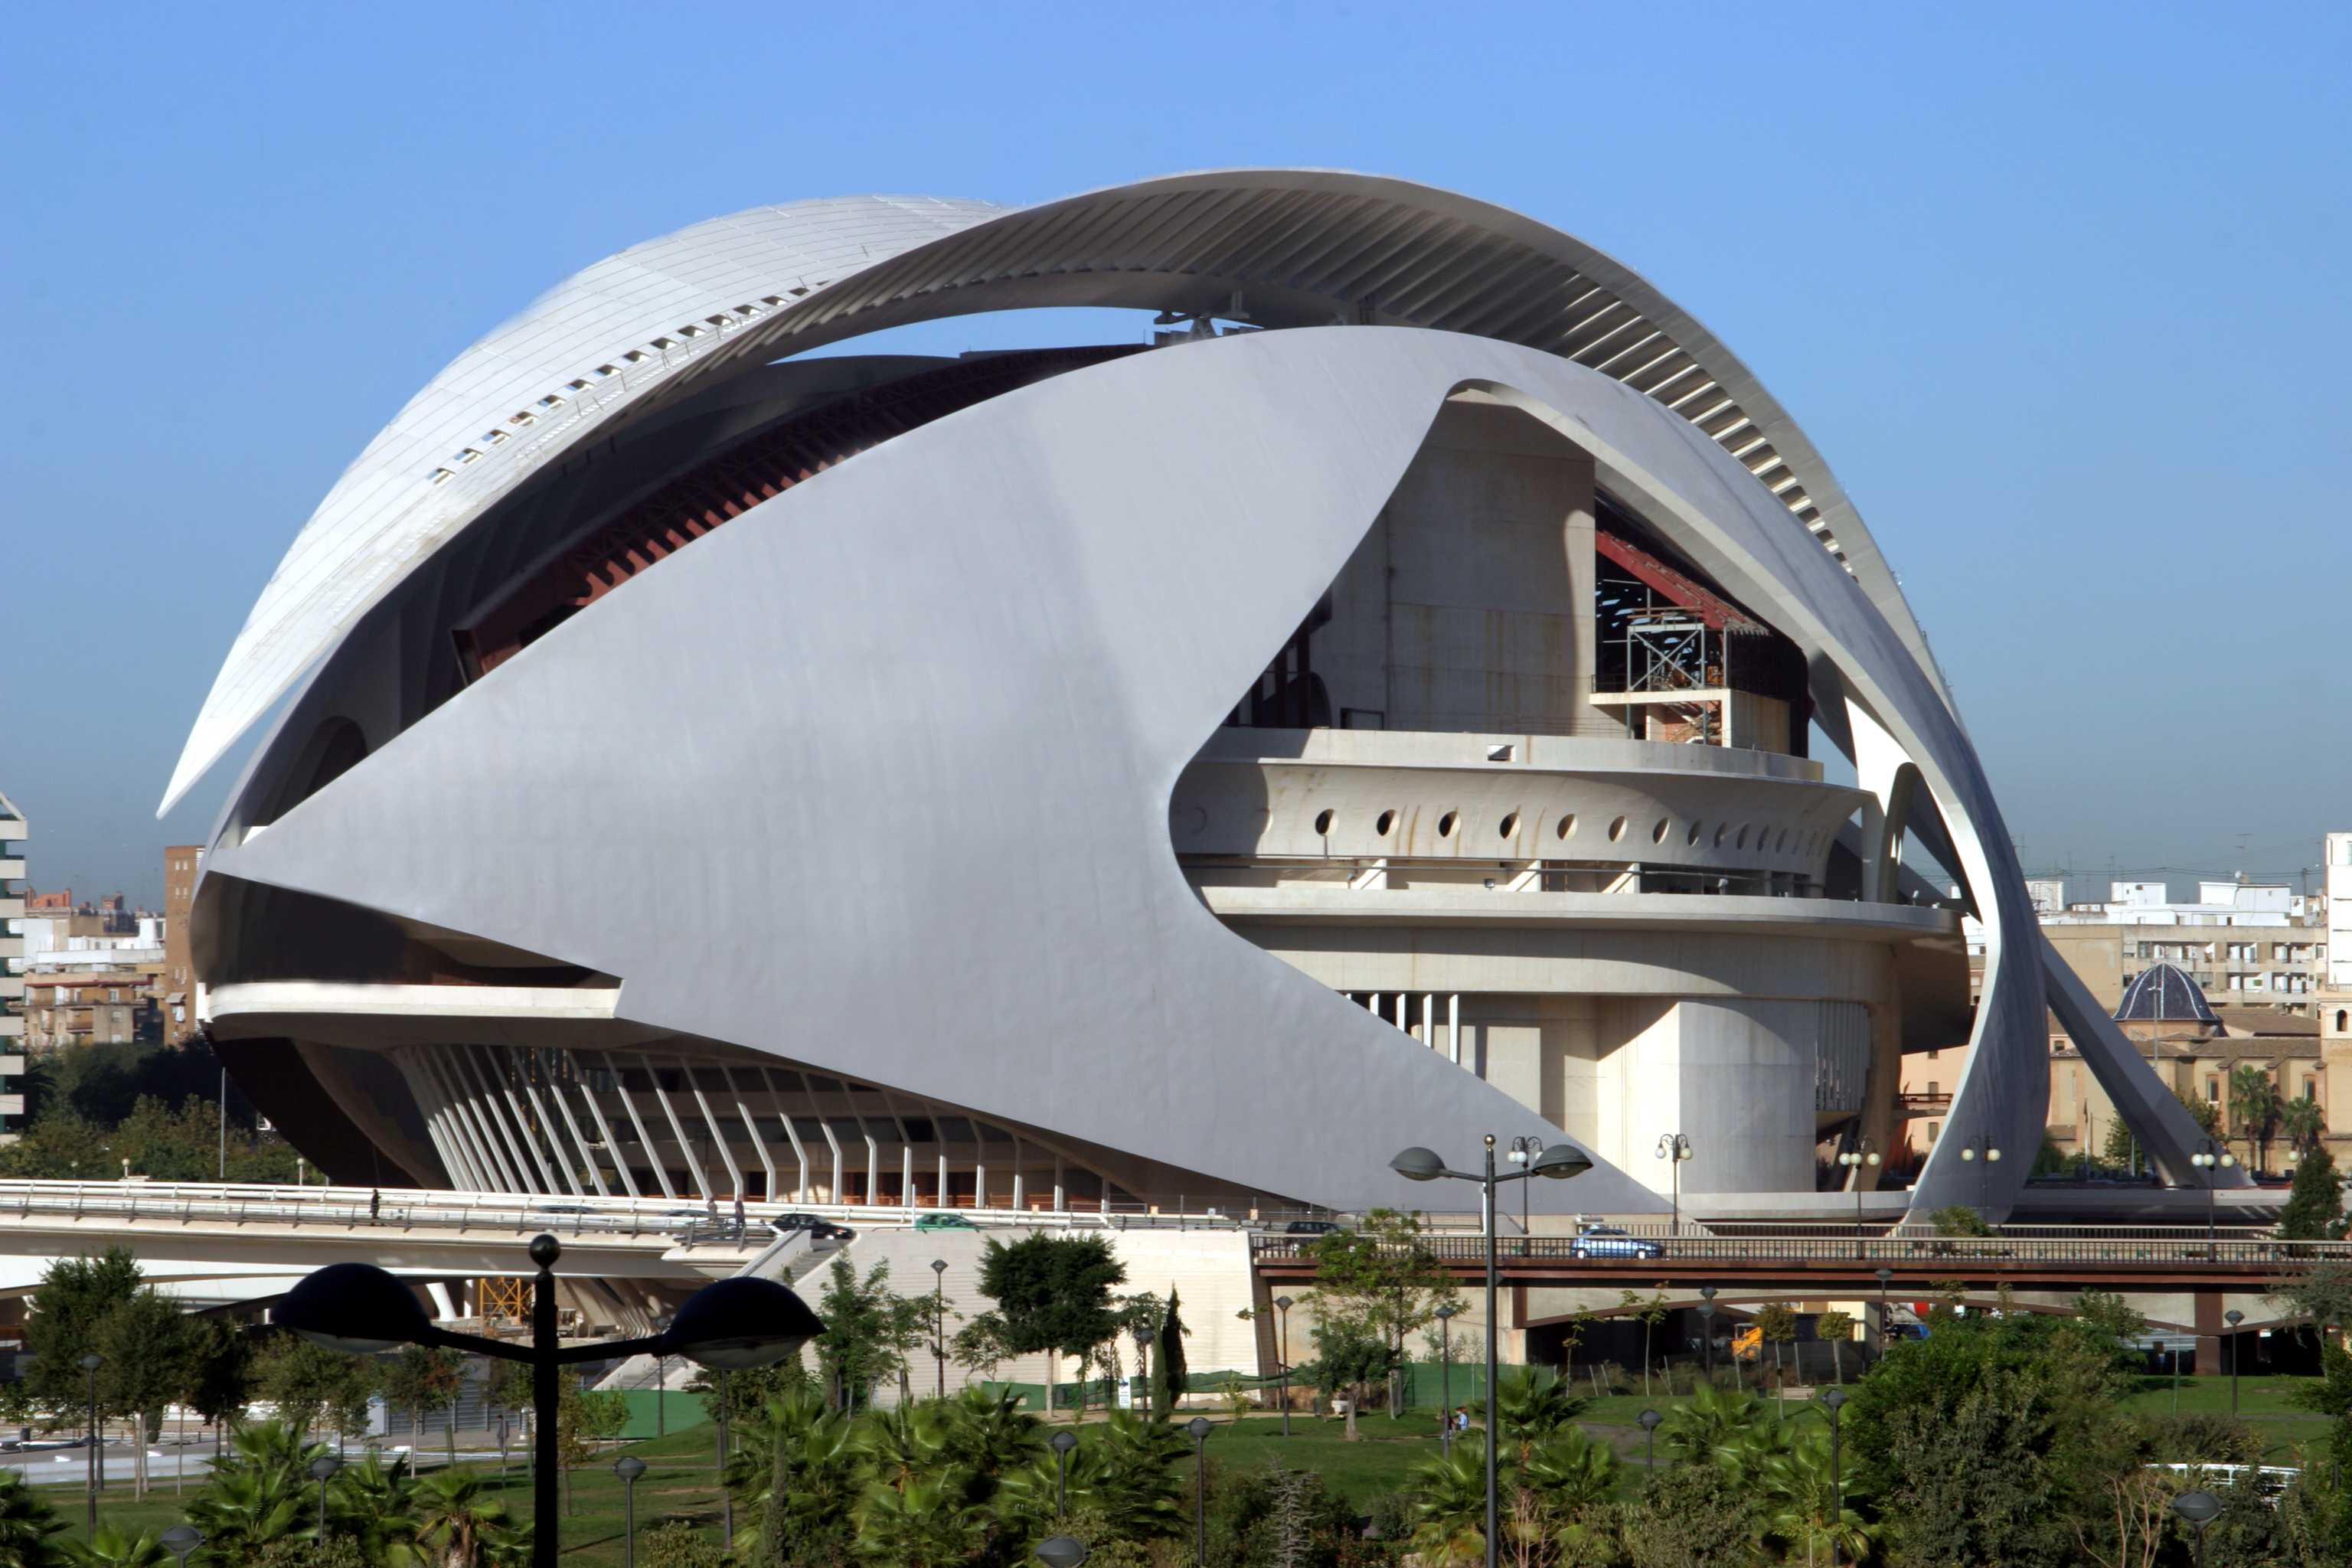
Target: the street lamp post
(1862, 1155)
(1834, 1401)
(1523, 1150)
(1282, 1359)
(2233, 1317)
(939, 1321)
(1675, 1147)
(726, 1492)
(2200, 1507)
(1446, 1376)
(1649, 1420)
(730, 1325)
(1199, 1428)
(2212, 1158)
(1558, 1163)
(629, 1468)
(1969, 1151)
(322, 1470)
(1063, 1441)
(90, 1364)
(1707, 1336)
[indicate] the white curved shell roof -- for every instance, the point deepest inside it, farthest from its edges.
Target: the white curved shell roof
(634, 331)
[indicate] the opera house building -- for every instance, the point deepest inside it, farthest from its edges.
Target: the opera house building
(1414, 683)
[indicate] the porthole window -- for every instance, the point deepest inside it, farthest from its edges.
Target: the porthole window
(1445, 824)
(1739, 839)
(1658, 833)
(1721, 829)
(1781, 845)
(1616, 830)
(1387, 820)
(1323, 822)
(1692, 835)
(1509, 827)
(1567, 824)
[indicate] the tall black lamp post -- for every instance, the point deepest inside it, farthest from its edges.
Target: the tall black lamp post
(629, 1468)
(2212, 1158)
(1675, 1147)
(1833, 1401)
(323, 1469)
(1861, 1156)
(1062, 1442)
(1282, 1357)
(90, 1364)
(939, 1321)
(2233, 1317)
(1558, 1163)
(1706, 1326)
(2200, 1507)
(1523, 1151)
(1649, 1420)
(1197, 1427)
(732, 1325)
(1446, 1375)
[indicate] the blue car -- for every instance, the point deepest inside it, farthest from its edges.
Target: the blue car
(1608, 1241)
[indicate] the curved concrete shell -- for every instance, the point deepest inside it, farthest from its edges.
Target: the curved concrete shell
(1119, 776)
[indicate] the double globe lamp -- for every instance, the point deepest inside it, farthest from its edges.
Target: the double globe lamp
(1557, 1162)
(733, 1325)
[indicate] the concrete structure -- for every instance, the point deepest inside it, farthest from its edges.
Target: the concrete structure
(2333, 999)
(181, 863)
(13, 833)
(1156, 777)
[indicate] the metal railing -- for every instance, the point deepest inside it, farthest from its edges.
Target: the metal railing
(2130, 1245)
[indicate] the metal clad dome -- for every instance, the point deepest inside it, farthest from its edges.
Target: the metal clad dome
(2165, 993)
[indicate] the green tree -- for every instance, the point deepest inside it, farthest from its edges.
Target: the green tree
(2121, 1152)
(1958, 1219)
(2314, 1207)
(815, 1475)
(463, 1525)
(419, 1380)
(2207, 1115)
(869, 1331)
(1776, 1325)
(1692, 1516)
(1168, 1374)
(1531, 1406)
(149, 1347)
(1449, 1516)
(1837, 1327)
(219, 1373)
(2253, 1110)
(114, 1547)
(2304, 1124)
(582, 1420)
(313, 1386)
(62, 1324)
(1350, 1357)
(1382, 1275)
(1052, 1293)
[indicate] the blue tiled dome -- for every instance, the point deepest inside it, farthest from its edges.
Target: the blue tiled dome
(2165, 993)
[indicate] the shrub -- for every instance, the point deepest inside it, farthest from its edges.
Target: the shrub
(678, 1544)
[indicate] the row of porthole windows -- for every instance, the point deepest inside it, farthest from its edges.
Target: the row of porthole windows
(525, 418)
(1726, 835)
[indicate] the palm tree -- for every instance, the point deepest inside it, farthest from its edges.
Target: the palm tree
(242, 1512)
(904, 1444)
(926, 1524)
(2303, 1123)
(1531, 1405)
(1570, 1472)
(376, 1503)
(457, 1524)
(1713, 1422)
(110, 1548)
(2253, 1109)
(1449, 1514)
(1791, 1478)
(991, 1434)
(27, 1523)
(808, 1490)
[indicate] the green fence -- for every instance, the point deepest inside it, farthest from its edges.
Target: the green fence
(652, 1411)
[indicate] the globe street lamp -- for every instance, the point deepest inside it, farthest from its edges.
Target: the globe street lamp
(1063, 1441)
(2233, 1317)
(1446, 1375)
(90, 1364)
(1969, 1151)
(1558, 1163)
(1061, 1552)
(1199, 1428)
(180, 1541)
(1649, 1420)
(322, 1470)
(1675, 1147)
(730, 1325)
(1833, 1401)
(939, 1321)
(2212, 1158)
(1282, 1361)
(1862, 1155)
(629, 1468)
(2200, 1507)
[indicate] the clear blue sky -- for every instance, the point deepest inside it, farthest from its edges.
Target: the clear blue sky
(2059, 291)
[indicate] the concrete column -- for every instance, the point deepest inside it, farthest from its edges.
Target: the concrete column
(2209, 1330)
(1453, 1027)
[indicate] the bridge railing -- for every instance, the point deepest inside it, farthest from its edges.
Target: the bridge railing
(2138, 1244)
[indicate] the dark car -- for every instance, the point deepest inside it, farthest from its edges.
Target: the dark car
(1312, 1227)
(819, 1228)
